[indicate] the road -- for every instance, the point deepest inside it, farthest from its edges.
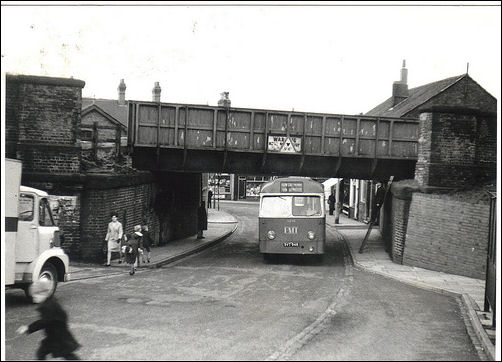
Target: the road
(227, 303)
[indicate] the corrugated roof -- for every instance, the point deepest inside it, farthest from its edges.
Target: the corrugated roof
(417, 97)
(110, 106)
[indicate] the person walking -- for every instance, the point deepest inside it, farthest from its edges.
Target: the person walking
(209, 197)
(331, 202)
(377, 203)
(201, 220)
(54, 321)
(147, 242)
(133, 248)
(113, 238)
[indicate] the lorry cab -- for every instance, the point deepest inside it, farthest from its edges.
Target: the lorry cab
(33, 240)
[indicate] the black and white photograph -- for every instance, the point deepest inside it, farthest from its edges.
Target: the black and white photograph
(250, 181)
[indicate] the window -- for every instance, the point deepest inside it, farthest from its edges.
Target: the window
(306, 205)
(25, 209)
(45, 216)
(275, 206)
(286, 206)
(86, 134)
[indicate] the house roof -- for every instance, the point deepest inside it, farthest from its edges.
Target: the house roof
(110, 106)
(96, 108)
(417, 96)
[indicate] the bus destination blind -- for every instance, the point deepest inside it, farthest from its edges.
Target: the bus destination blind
(292, 186)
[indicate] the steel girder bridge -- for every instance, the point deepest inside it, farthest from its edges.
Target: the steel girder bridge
(198, 138)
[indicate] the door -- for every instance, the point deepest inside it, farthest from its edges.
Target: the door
(27, 229)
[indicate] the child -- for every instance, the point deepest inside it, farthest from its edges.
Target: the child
(58, 341)
(147, 242)
(134, 244)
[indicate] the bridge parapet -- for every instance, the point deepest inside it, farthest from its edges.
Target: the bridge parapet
(165, 126)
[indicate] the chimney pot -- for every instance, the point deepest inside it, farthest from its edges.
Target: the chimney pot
(121, 89)
(224, 100)
(400, 88)
(156, 92)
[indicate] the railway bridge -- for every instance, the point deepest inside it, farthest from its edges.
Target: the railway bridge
(199, 138)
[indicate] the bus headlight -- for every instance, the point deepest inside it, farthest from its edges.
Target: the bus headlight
(311, 235)
(271, 234)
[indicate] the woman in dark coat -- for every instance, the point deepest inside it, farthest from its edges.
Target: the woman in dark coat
(58, 341)
(201, 220)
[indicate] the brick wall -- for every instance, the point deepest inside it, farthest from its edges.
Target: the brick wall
(457, 148)
(448, 234)
(132, 203)
(166, 203)
(42, 118)
(401, 199)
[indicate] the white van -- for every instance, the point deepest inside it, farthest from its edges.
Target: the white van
(32, 239)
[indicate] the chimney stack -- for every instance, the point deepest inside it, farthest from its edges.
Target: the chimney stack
(156, 92)
(400, 88)
(224, 100)
(121, 89)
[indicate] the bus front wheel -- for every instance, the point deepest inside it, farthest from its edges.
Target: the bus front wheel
(47, 282)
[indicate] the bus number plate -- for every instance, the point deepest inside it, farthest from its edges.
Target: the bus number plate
(291, 245)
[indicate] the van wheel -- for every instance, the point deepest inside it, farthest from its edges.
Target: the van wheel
(48, 275)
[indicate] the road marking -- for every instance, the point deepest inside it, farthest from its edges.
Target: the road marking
(302, 338)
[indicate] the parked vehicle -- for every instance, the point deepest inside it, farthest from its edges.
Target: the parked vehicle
(292, 217)
(32, 240)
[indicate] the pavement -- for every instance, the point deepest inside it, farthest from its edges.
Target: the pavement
(374, 259)
(220, 226)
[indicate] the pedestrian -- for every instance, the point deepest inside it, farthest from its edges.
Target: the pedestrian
(209, 197)
(58, 339)
(133, 248)
(201, 220)
(147, 242)
(331, 202)
(378, 201)
(113, 239)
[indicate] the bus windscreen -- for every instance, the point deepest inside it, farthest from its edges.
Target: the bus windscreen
(286, 206)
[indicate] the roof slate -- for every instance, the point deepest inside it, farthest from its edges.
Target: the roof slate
(417, 97)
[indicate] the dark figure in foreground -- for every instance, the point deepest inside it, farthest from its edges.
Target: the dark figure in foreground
(201, 220)
(58, 339)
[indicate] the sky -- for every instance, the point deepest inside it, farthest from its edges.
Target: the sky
(313, 58)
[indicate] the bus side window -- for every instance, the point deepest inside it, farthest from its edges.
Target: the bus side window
(45, 217)
(25, 209)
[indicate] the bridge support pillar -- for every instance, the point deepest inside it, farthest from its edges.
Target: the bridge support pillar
(457, 148)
